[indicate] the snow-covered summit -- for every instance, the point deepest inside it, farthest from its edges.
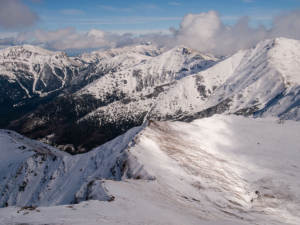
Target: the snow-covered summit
(284, 55)
(167, 67)
(29, 71)
(247, 82)
(148, 49)
(9, 52)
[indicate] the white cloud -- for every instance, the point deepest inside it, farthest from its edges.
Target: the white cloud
(16, 14)
(204, 32)
(69, 38)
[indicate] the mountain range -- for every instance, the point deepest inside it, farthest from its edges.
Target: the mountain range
(102, 94)
(169, 134)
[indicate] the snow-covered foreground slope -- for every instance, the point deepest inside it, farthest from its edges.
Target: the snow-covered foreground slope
(223, 168)
(227, 166)
(35, 174)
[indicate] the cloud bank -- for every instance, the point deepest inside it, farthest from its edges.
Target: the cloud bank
(16, 14)
(204, 32)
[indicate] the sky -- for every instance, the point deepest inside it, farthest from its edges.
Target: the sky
(217, 26)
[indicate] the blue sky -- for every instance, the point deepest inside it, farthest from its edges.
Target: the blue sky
(215, 26)
(141, 16)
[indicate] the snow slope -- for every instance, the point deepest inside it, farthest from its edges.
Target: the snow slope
(36, 174)
(247, 82)
(165, 68)
(98, 63)
(217, 170)
(240, 167)
(108, 65)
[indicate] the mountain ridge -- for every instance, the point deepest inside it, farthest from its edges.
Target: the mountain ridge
(179, 84)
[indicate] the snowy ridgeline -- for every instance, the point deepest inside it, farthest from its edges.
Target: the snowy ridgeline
(262, 80)
(223, 168)
(113, 91)
(36, 174)
(30, 71)
(163, 83)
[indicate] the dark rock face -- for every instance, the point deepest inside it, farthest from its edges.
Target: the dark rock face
(57, 117)
(48, 81)
(10, 91)
(61, 119)
(158, 90)
(247, 111)
(217, 109)
(201, 88)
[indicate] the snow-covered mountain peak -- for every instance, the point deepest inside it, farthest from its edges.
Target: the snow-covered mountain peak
(167, 67)
(27, 51)
(285, 57)
(36, 49)
(181, 49)
(32, 54)
(28, 56)
(279, 54)
(34, 70)
(148, 49)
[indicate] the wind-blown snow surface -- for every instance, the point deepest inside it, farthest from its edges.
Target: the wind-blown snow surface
(223, 168)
